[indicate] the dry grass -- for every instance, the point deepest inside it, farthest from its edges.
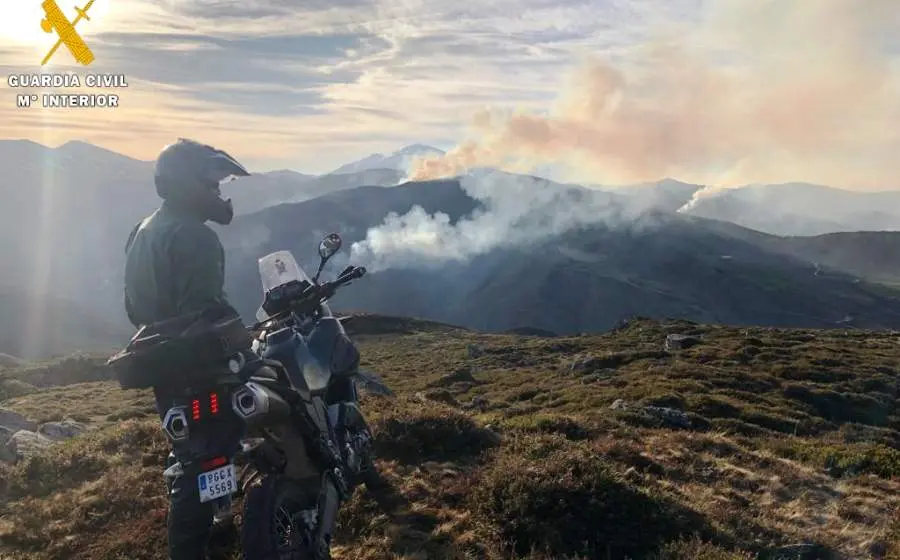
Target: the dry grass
(794, 439)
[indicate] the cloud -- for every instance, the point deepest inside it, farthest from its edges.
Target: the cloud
(751, 92)
(340, 79)
(329, 80)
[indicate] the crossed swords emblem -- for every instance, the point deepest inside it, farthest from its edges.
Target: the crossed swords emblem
(66, 30)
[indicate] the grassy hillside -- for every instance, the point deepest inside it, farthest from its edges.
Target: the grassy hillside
(503, 446)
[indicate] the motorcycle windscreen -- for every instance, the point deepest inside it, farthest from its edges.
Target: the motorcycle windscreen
(276, 269)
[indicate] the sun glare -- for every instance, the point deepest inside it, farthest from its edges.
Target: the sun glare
(20, 21)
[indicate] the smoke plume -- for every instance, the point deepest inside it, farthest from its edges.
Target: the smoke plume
(759, 92)
(515, 210)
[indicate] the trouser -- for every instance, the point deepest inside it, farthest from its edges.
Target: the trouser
(189, 521)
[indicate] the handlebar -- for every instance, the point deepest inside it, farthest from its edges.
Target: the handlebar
(315, 294)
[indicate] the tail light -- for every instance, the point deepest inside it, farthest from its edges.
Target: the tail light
(213, 407)
(213, 463)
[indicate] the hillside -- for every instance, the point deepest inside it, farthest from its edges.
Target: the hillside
(584, 278)
(868, 254)
(750, 441)
(802, 209)
(40, 327)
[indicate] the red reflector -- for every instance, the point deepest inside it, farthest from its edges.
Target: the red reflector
(213, 463)
(195, 409)
(213, 403)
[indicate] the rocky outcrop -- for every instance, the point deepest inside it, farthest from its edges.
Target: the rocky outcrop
(20, 438)
(58, 431)
(14, 421)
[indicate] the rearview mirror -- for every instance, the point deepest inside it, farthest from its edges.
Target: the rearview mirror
(329, 245)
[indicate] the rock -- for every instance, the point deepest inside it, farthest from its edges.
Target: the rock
(437, 395)
(24, 443)
(15, 421)
(475, 351)
(449, 473)
(604, 364)
(680, 342)
(479, 403)
(669, 416)
(58, 431)
(6, 455)
(461, 375)
(619, 404)
(460, 387)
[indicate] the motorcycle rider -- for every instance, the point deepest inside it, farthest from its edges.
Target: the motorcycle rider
(175, 265)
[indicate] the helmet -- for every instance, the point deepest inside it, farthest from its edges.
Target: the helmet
(188, 175)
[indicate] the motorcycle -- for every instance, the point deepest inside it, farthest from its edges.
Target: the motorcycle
(291, 399)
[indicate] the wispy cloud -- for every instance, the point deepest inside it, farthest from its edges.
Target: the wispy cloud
(309, 85)
(312, 84)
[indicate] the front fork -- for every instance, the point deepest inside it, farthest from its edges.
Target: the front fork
(352, 435)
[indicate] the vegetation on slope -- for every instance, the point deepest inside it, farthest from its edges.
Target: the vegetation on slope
(505, 446)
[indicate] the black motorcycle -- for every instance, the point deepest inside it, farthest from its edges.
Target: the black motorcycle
(286, 391)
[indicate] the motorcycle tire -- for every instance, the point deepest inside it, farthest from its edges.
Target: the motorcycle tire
(267, 505)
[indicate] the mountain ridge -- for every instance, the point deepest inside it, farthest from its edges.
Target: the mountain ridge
(398, 160)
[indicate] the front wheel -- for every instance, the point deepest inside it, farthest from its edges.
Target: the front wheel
(279, 522)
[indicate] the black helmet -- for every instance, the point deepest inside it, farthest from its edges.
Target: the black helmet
(188, 174)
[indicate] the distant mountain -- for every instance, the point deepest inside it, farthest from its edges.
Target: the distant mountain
(588, 278)
(33, 327)
(251, 194)
(802, 209)
(398, 161)
(67, 211)
(667, 195)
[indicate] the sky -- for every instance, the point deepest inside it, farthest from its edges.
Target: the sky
(620, 90)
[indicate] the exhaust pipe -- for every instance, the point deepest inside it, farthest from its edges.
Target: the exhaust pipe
(254, 402)
(175, 424)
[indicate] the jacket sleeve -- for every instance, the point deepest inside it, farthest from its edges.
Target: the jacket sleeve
(198, 268)
(129, 311)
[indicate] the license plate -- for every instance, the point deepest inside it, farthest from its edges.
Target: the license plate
(217, 483)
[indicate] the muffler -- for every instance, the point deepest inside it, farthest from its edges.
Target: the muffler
(255, 403)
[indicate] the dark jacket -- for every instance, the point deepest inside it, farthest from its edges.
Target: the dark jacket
(174, 265)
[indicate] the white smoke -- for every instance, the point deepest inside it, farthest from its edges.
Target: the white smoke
(516, 210)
